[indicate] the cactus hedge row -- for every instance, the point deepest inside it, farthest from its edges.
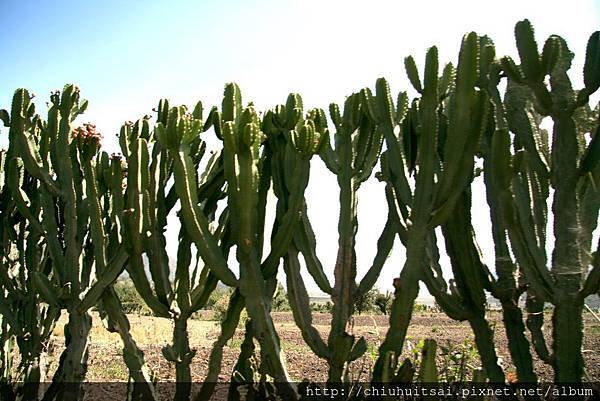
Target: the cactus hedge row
(74, 219)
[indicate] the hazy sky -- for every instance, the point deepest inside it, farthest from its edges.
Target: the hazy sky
(126, 55)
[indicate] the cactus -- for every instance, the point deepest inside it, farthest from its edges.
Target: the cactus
(523, 179)
(73, 218)
(449, 124)
(150, 200)
(26, 322)
(247, 174)
(509, 285)
(357, 146)
(64, 279)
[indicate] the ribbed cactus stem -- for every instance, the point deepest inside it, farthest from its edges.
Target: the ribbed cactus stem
(406, 286)
(143, 388)
(76, 355)
(567, 267)
(300, 305)
(228, 326)
(181, 347)
(342, 296)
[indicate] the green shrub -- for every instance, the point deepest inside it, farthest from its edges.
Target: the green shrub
(280, 301)
(366, 302)
(130, 299)
(218, 303)
(321, 307)
(383, 302)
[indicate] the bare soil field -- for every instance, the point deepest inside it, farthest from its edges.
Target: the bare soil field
(106, 363)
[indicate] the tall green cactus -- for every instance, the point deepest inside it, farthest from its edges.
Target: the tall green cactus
(70, 220)
(26, 322)
(150, 199)
(509, 285)
(243, 164)
(564, 163)
(290, 142)
(357, 146)
(451, 127)
(73, 218)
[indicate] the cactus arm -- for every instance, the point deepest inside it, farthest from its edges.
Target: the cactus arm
(370, 138)
(413, 74)
(51, 230)
(151, 211)
(501, 177)
(384, 246)
(591, 76)
(182, 283)
(387, 122)
(112, 270)
(461, 106)
(265, 168)
(26, 149)
(290, 220)
(436, 285)
(466, 263)
(251, 279)
(505, 288)
(95, 211)
(133, 356)
(479, 114)
(592, 282)
(406, 286)
(305, 241)
(65, 175)
(329, 157)
(428, 370)
(200, 294)
(133, 231)
(300, 305)
(206, 286)
(589, 193)
(464, 255)
(528, 52)
(521, 121)
(154, 218)
(195, 221)
(467, 108)
(535, 323)
(20, 198)
(228, 326)
(135, 268)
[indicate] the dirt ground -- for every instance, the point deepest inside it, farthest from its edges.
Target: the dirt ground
(106, 362)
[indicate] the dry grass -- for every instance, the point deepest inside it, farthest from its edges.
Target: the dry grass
(106, 362)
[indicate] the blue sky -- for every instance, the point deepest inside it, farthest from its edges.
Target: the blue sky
(126, 55)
